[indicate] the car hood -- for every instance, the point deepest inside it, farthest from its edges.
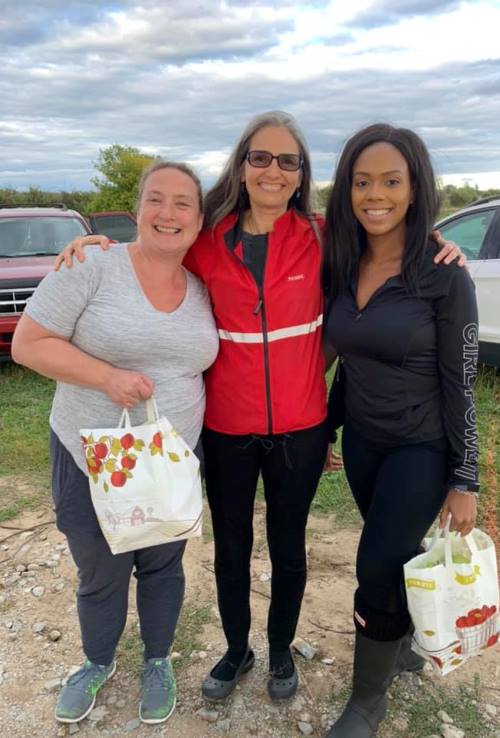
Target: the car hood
(25, 267)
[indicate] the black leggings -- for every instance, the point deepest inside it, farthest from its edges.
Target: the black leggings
(291, 465)
(399, 491)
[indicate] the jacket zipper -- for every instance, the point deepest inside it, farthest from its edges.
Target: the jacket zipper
(260, 308)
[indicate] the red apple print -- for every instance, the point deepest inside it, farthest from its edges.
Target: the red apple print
(157, 440)
(461, 622)
(492, 640)
(437, 660)
(471, 621)
(101, 450)
(458, 650)
(118, 479)
(127, 441)
(128, 462)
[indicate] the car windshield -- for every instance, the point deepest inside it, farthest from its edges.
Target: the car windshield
(44, 235)
(118, 227)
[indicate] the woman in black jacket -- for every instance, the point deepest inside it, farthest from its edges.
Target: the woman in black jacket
(406, 331)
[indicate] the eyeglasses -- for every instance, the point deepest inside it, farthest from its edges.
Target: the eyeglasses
(262, 159)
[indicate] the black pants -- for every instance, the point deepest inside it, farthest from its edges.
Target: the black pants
(291, 466)
(104, 578)
(399, 491)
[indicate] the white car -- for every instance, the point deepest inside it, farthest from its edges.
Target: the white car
(476, 229)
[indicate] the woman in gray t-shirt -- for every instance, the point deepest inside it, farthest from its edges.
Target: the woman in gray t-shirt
(118, 327)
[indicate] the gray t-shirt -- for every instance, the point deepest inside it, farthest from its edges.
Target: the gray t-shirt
(100, 307)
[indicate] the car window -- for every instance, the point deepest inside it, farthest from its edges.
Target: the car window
(40, 235)
(468, 231)
(119, 227)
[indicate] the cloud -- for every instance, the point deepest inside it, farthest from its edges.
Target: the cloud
(183, 80)
(386, 12)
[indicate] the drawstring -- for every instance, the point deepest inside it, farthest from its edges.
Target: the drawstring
(268, 445)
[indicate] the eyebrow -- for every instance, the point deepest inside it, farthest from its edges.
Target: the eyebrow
(178, 194)
(391, 171)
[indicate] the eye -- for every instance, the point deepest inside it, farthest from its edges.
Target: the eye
(393, 182)
(183, 204)
(360, 183)
(153, 198)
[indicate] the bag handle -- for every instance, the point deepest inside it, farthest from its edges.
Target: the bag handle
(469, 539)
(152, 414)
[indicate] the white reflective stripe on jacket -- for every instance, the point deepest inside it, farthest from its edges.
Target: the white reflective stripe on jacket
(276, 335)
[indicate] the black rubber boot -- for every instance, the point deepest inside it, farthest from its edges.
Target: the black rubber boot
(407, 659)
(373, 668)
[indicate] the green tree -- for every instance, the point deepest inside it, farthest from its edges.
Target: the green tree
(121, 167)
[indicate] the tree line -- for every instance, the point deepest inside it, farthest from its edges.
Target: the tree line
(120, 168)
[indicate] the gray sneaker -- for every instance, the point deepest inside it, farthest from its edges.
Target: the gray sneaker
(158, 691)
(78, 696)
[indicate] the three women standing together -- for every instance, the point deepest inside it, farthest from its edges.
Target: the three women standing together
(260, 257)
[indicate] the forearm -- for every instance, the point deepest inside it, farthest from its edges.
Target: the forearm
(58, 359)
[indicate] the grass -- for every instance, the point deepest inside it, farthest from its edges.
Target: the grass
(462, 704)
(419, 705)
(193, 617)
(25, 400)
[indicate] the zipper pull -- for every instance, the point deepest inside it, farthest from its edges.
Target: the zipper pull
(258, 307)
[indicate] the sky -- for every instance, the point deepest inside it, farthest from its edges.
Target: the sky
(182, 78)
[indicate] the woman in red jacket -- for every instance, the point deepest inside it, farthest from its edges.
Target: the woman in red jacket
(260, 258)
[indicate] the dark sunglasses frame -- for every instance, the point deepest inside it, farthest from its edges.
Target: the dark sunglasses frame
(279, 158)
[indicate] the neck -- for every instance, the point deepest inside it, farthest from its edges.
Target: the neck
(386, 248)
(259, 220)
(167, 267)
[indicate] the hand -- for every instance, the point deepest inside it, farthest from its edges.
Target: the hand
(126, 388)
(463, 509)
(76, 247)
(333, 461)
(449, 251)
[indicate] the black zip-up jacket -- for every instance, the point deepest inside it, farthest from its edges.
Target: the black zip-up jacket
(410, 361)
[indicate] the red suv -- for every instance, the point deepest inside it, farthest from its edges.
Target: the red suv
(30, 239)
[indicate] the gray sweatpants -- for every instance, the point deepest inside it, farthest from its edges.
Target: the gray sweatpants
(102, 595)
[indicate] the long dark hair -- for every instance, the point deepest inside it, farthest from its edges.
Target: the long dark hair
(228, 196)
(345, 239)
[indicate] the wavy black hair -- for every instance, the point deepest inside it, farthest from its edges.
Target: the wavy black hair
(345, 238)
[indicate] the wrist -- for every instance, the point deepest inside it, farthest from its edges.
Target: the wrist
(464, 490)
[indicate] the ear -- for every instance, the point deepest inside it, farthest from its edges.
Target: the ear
(201, 218)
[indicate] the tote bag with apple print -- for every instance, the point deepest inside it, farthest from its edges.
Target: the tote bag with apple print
(453, 598)
(144, 482)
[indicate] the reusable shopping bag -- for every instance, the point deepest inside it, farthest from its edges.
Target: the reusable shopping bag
(453, 598)
(144, 482)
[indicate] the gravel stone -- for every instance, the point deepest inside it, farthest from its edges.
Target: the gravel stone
(38, 591)
(211, 716)
(132, 725)
(450, 731)
(304, 648)
(305, 728)
(98, 713)
(444, 717)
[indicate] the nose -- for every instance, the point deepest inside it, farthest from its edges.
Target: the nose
(167, 210)
(375, 191)
(273, 167)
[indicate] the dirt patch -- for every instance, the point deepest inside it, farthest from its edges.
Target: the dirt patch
(37, 583)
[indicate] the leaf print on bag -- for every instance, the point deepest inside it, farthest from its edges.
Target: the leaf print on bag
(173, 456)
